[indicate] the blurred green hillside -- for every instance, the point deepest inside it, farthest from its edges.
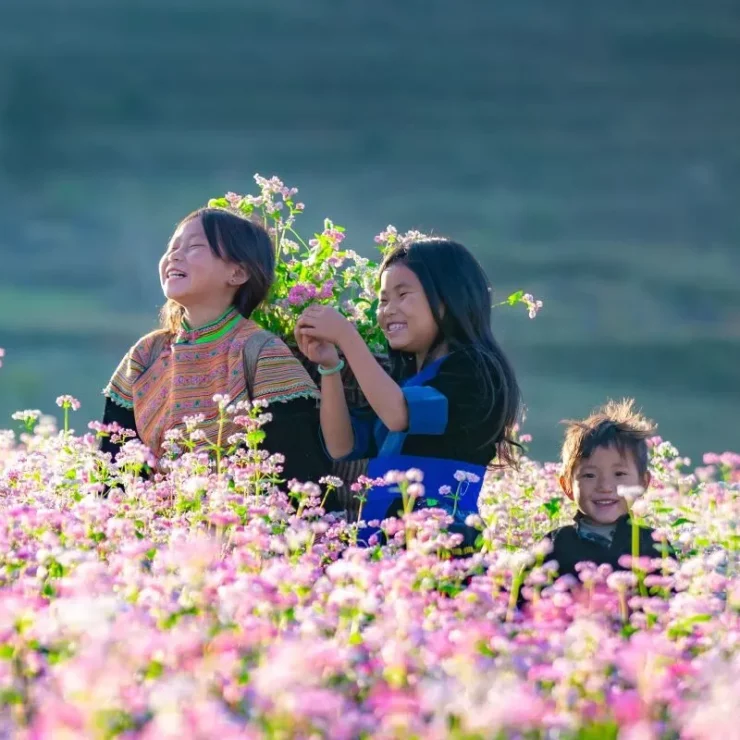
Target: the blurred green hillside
(587, 152)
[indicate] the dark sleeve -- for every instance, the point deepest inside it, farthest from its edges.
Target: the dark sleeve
(451, 402)
(121, 415)
(295, 433)
(364, 445)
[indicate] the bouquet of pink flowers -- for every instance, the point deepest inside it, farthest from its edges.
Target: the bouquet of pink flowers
(322, 269)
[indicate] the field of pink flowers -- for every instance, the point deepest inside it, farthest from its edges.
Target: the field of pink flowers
(209, 601)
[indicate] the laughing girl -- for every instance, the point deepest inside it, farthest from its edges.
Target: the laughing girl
(450, 403)
(218, 267)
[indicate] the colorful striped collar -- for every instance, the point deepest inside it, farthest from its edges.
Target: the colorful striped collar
(210, 332)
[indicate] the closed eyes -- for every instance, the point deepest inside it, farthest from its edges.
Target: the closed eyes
(188, 248)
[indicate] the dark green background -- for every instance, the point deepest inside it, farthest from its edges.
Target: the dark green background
(587, 151)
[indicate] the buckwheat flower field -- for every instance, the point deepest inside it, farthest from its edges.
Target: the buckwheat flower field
(208, 601)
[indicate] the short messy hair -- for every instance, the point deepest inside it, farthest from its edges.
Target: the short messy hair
(616, 424)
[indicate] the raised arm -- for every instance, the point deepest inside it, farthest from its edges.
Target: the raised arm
(336, 423)
(325, 324)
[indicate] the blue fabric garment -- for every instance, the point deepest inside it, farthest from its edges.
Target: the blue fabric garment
(437, 473)
(427, 409)
(428, 415)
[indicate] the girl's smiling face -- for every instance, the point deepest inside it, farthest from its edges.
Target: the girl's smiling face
(190, 272)
(404, 313)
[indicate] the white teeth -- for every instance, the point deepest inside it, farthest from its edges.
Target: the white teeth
(175, 274)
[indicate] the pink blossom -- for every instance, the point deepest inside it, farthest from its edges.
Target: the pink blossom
(68, 402)
(301, 294)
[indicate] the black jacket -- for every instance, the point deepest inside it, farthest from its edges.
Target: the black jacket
(293, 431)
(570, 546)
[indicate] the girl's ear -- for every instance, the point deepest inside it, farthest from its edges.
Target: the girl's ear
(239, 276)
(566, 487)
(646, 480)
(442, 310)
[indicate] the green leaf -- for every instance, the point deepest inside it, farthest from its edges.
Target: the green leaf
(154, 670)
(628, 630)
(256, 437)
(218, 203)
(6, 652)
(172, 619)
(681, 520)
(10, 696)
(56, 570)
(552, 507)
(685, 627)
(515, 298)
(48, 590)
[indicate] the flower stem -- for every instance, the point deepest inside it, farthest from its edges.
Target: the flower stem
(218, 441)
(357, 526)
(516, 585)
(636, 555)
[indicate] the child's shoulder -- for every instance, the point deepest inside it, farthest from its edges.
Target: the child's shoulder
(150, 346)
(251, 337)
(564, 531)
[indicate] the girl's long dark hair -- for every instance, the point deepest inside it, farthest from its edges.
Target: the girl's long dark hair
(234, 238)
(459, 296)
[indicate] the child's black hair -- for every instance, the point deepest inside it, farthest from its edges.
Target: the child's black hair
(459, 296)
(616, 424)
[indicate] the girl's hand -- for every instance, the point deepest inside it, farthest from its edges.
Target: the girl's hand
(318, 351)
(324, 323)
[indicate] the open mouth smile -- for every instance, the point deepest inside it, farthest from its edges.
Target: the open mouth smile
(604, 502)
(394, 327)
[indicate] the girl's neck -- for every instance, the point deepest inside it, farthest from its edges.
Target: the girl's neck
(439, 351)
(205, 313)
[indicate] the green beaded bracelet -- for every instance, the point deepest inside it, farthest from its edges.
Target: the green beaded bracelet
(332, 370)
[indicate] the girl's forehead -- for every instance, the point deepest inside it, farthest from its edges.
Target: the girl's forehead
(396, 275)
(189, 229)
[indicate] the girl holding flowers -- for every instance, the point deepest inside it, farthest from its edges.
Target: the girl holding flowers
(448, 407)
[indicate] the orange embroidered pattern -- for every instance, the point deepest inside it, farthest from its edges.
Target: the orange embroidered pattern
(164, 379)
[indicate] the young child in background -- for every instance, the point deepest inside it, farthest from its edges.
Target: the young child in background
(452, 398)
(600, 454)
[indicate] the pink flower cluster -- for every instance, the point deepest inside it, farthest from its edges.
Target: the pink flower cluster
(303, 293)
(322, 268)
(68, 402)
(211, 600)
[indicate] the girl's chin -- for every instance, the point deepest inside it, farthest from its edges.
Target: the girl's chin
(175, 292)
(398, 344)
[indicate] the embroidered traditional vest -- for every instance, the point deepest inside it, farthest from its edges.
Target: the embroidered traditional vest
(165, 378)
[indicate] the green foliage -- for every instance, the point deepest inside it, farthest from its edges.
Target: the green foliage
(321, 270)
